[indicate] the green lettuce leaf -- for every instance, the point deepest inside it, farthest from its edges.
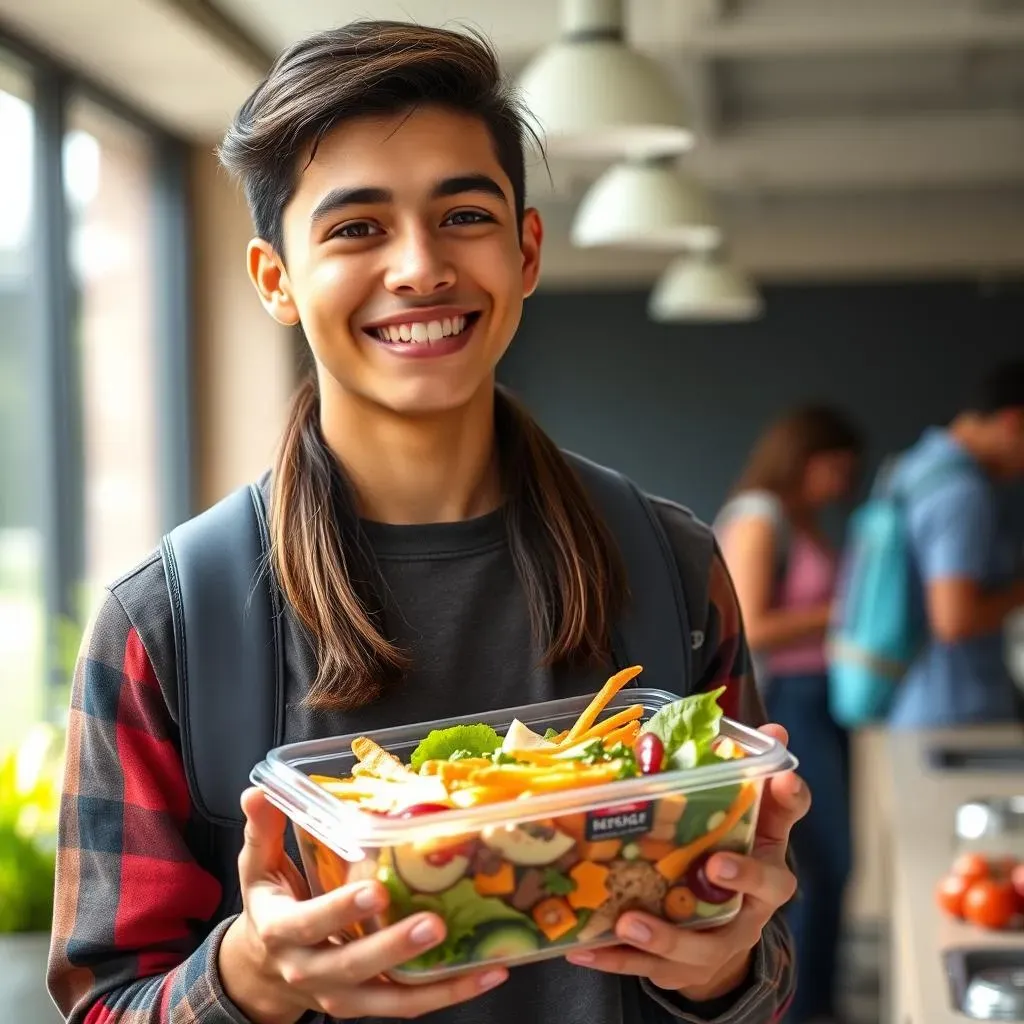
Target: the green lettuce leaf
(687, 728)
(462, 909)
(464, 740)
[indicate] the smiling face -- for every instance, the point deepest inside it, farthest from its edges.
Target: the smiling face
(403, 261)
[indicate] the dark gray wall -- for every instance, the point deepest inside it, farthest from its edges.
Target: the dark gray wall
(677, 407)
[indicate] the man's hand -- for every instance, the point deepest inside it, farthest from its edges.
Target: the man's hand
(703, 965)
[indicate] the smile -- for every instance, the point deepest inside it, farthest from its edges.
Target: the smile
(423, 332)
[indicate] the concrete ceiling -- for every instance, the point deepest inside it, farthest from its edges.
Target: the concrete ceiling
(875, 137)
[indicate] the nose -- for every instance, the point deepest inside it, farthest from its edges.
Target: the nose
(418, 265)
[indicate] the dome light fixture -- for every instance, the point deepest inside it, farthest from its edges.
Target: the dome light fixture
(595, 98)
(646, 204)
(704, 287)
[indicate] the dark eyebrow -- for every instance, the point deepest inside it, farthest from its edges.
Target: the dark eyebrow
(367, 195)
(339, 198)
(469, 183)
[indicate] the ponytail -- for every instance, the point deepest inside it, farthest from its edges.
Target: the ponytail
(314, 532)
(568, 563)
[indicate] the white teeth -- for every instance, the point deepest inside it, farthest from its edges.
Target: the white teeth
(420, 331)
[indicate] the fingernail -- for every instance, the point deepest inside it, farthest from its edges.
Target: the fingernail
(492, 979)
(367, 898)
(424, 933)
(726, 867)
(581, 957)
(636, 931)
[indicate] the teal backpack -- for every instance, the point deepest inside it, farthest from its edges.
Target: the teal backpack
(879, 628)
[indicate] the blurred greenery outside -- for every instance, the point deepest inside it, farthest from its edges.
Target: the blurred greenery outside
(32, 720)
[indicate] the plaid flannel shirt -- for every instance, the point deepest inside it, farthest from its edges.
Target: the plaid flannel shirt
(135, 940)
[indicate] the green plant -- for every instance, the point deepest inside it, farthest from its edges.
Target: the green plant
(29, 808)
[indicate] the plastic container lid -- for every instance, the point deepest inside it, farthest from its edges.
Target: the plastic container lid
(345, 828)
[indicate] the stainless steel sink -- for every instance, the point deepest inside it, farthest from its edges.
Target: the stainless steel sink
(987, 984)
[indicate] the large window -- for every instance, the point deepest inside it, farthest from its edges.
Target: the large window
(22, 542)
(108, 176)
(93, 363)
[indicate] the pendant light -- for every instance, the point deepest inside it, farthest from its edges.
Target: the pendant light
(646, 204)
(704, 286)
(594, 97)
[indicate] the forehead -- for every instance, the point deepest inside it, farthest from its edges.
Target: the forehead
(405, 153)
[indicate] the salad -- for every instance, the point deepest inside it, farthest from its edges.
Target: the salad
(525, 890)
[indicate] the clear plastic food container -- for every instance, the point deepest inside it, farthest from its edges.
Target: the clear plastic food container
(531, 878)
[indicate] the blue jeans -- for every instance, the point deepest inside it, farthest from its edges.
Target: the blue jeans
(821, 842)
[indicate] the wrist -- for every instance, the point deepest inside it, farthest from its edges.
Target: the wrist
(730, 978)
(256, 994)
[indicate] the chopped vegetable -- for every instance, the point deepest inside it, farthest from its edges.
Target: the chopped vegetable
(591, 885)
(688, 728)
(672, 867)
(558, 884)
(680, 904)
(466, 740)
(601, 701)
(501, 883)
(554, 918)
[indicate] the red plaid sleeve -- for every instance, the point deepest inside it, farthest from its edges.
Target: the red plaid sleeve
(134, 940)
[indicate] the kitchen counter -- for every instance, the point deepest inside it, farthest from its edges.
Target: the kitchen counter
(917, 809)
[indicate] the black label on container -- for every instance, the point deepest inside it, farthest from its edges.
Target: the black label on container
(619, 821)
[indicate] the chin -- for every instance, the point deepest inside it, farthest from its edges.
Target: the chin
(427, 398)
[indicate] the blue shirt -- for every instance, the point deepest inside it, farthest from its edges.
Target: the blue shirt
(954, 533)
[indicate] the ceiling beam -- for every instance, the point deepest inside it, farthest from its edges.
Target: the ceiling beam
(887, 30)
(944, 234)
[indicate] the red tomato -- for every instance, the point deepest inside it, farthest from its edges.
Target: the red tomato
(972, 866)
(950, 892)
(990, 904)
(1017, 881)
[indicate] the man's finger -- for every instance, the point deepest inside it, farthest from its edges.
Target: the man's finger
(382, 1001)
(769, 883)
(776, 732)
(282, 922)
(263, 849)
(785, 801)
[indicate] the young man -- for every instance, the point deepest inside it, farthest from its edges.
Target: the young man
(437, 555)
(969, 570)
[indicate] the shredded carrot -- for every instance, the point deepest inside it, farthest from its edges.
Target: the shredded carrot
(627, 734)
(631, 714)
(672, 866)
(600, 702)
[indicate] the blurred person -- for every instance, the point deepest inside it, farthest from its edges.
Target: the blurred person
(965, 559)
(384, 168)
(784, 570)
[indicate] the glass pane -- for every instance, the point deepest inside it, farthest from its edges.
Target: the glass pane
(22, 615)
(108, 178)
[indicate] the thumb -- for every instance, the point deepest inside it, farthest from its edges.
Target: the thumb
(263, 849)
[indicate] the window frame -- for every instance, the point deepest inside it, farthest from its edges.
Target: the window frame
(58, 378)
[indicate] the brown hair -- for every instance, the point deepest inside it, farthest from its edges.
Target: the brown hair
(780, 455)
(570, 569)
(363, 69)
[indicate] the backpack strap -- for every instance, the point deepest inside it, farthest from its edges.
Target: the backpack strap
(229, 652)
(654, 630)
(229, 656)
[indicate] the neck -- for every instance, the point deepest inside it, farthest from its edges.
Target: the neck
(427, 469)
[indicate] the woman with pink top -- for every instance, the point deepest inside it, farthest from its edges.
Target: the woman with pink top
(784, 571)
